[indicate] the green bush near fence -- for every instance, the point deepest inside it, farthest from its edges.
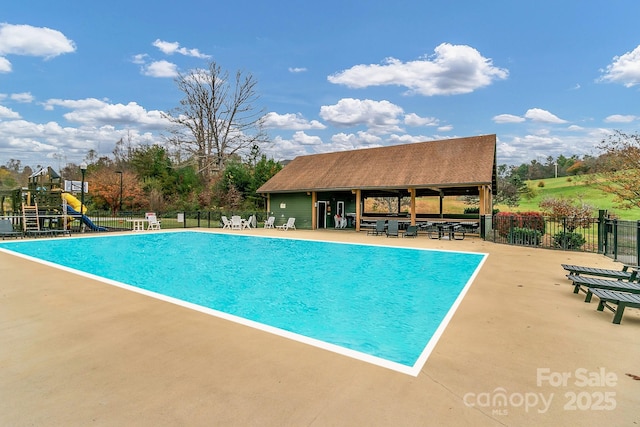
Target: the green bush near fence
(525, 236)
(506, 222)
(568, 240)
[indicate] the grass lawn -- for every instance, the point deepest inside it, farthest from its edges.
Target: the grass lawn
(575, 189)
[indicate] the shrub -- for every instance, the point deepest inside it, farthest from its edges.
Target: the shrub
(568, 240)
(476, 210)
(506, 221)
(525, 236)
(574, 215)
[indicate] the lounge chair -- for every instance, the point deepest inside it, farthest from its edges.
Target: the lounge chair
(290, 224)
(586, 283)
(392, 228)
(412, 231)
(621, 299)
(6, 229)
(236, 222)
(379, 229)
(248, 223)
(623, 274)
(226, 223)
(154, 222)
(269, 222)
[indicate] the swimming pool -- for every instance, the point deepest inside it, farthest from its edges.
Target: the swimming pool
(385, 305)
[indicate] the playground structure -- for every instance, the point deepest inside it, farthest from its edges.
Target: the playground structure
(58, 208)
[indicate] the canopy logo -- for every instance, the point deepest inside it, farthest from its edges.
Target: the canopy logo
(591, 394)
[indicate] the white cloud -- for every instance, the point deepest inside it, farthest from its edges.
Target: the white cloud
(297, 69)
(5, 65)
(169, 48)
(361, 139)
(452, 70)
(94, 112)
(160, 69)
(447, 128)
(624, 69)
(290, 121)
(24, 97)
(543, 116)
(140, 58)
(302, 138)
(33, 41)
(378, 116)
(413, 119)
(284, 149)
(508, 118)
(7, 113)
(406, 139)
(34, 142)
(619, 118)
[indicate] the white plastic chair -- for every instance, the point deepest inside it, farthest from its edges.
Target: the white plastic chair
(269, 222)
(291, 223)
(236, 222)
(225, 222)
(154, 222)
(248, 223)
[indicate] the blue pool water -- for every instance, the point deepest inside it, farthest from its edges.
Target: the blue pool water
(386, 302)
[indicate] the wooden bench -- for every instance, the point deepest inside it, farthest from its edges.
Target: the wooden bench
(620, 299)
(598, 283)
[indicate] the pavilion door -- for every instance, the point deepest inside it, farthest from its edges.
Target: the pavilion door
(322, 214)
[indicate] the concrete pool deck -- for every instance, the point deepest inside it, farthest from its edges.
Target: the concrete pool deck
(522, 349)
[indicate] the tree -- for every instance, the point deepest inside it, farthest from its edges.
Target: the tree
(104, 187)
(216, 118)
(151, 162)
(7, 180)
(621, 172)
(510, 185)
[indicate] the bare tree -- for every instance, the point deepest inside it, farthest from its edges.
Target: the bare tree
(216, 118)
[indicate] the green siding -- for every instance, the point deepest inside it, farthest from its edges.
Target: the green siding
(297, 205)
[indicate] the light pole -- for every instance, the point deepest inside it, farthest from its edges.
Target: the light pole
(83, 168)
(120, 206)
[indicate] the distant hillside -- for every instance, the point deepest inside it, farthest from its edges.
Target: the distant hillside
(571, 187)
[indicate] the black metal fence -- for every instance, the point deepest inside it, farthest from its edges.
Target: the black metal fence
(171, 220)
(621, 241)
(106, 221)
(617, 239)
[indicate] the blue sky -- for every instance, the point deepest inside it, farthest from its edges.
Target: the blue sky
(548, 77)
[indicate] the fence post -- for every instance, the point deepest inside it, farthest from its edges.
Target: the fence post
(602, 232)
(638, 242)
(615, 239)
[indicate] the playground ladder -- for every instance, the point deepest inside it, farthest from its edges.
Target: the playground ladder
(30, 219)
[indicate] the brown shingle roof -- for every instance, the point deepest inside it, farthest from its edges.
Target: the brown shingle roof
(461, 162)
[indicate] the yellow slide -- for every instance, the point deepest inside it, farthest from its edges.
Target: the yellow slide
(74, 202)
